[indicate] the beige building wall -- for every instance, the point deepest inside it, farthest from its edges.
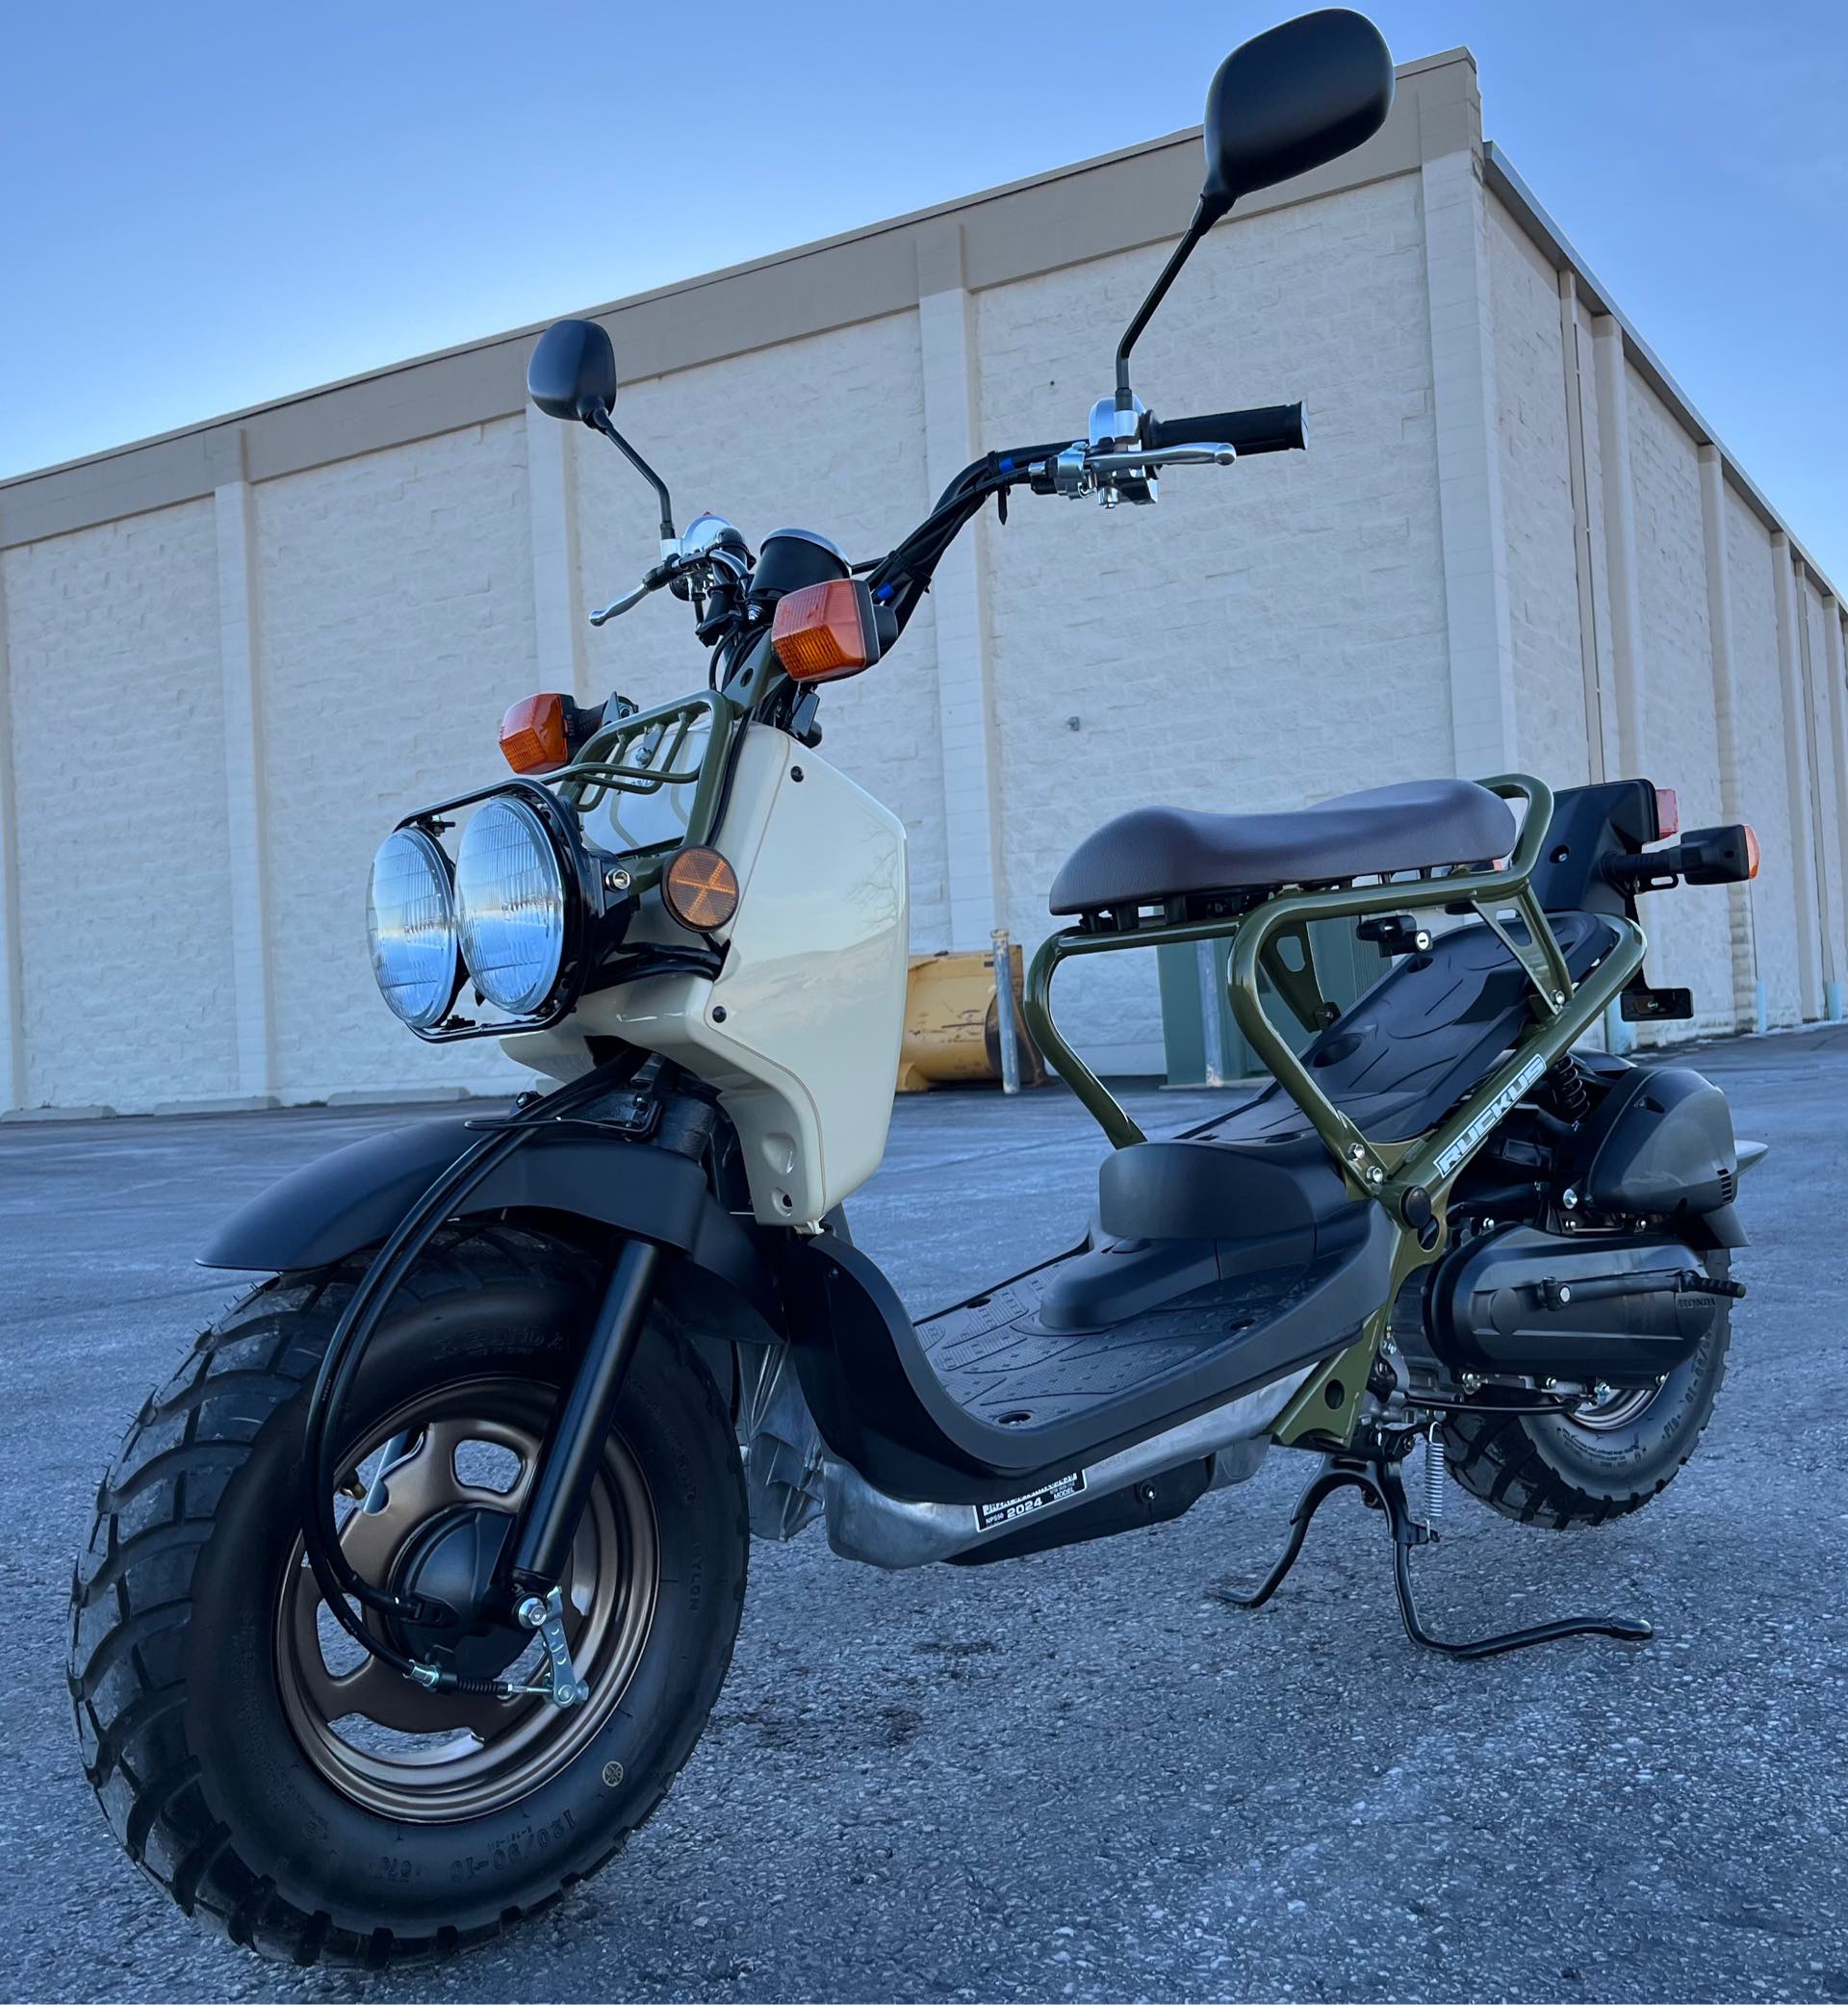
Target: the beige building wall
(231, 657)
(121, 919)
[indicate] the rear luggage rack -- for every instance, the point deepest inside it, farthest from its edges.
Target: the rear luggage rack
(1408, 1179)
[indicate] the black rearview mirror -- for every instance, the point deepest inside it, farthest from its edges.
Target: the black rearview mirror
(573, 372)
(1288, 100)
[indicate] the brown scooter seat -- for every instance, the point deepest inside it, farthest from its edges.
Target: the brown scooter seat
(1153, 854)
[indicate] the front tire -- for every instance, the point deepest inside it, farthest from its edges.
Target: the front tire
(198, 1704)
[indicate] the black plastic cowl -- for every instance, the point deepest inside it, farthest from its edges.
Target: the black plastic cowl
(1659, 1146)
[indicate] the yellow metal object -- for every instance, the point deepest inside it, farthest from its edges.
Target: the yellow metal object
(952, 1024)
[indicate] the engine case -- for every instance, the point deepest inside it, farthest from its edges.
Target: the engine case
(1519, 1302)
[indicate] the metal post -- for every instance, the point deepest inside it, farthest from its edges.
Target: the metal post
(1211, 1013)
(1007, 1036)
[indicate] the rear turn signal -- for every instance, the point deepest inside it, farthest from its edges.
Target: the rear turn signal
(533, 734)
(700, 888)
(825, 631)
(1751, 850)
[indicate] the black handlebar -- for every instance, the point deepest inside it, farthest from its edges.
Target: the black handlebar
(1274, 428)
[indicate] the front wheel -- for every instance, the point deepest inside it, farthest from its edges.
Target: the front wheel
(251, 1757)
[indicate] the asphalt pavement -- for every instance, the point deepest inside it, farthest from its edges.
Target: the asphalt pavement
(1078, 1776)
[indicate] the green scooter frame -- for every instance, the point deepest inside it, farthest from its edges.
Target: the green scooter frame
(1411, 1180)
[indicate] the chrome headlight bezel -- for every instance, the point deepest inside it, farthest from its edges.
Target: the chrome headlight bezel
(511, 900)
(443, 873)
(599, 904)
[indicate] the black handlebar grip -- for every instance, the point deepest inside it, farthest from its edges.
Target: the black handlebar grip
(1273, 428)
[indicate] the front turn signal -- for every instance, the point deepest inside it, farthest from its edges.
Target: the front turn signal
(533, 738)
(700, 888)
(825, 631)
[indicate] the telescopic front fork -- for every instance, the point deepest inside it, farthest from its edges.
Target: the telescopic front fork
(572, 1449)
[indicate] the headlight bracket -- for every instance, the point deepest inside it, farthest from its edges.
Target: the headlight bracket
(600, 900)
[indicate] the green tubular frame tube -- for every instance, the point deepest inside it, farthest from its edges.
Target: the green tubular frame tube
(1387, 1171)
(603, 766)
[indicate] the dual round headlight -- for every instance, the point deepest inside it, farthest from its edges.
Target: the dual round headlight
(510, 906)
(410, 923)
(502, 912)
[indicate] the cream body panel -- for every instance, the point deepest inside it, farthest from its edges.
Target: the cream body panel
(800, 1033)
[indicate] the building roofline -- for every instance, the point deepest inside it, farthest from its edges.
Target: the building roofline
(1553, 244)
(1116, 201)
(955, 206)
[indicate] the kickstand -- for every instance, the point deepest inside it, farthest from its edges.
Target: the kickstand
(1377, 1479)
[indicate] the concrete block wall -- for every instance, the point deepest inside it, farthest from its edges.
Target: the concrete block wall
(117, 794)
(1679, 741)
(231, 658)
(1533, 452)
(1653, 570)
(394, 623)
(1266, 634)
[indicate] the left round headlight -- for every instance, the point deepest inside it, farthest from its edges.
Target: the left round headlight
(410, 923)
(510, 906)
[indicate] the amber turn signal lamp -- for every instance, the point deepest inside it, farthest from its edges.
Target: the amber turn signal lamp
(1668, 813)
(533, 734)
(700, 888)
(825, 631)
(1751, 851)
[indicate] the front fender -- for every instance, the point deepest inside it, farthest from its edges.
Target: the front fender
(354, 1197)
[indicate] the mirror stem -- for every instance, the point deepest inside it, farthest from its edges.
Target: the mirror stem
(600, 420)
(1204, 218)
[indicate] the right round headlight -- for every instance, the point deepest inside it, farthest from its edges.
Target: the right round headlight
(410, 923)
(510, 906)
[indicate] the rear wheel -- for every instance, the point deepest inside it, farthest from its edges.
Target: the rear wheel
(1610, 1458)
(253, 1759)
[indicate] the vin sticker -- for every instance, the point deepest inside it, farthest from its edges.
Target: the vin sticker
(989, 1515)
(1460, 1150)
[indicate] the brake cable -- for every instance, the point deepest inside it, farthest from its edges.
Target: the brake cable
(333, 1573)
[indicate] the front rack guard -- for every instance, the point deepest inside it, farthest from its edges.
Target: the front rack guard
(1423, 1170)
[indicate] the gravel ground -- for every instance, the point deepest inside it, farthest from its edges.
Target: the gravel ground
(1080, 1775)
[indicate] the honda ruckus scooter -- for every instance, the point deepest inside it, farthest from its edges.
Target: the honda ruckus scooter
(410, 1592)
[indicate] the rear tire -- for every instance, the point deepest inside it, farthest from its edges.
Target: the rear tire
(187, 1738)
(1561, 1474)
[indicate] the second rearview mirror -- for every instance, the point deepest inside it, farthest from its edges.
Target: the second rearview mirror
(573, 372)
(1301, 94)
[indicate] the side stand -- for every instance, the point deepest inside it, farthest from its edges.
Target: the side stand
(1378, 1481)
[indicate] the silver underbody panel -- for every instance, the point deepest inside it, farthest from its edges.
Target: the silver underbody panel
(867, 1524)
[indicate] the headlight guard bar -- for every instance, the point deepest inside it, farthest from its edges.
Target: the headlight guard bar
(600, 901)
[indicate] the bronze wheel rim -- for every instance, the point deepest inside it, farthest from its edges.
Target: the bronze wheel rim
(1612, 1408)
(431, 1758)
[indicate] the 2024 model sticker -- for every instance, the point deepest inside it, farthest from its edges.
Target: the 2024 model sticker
(1465, 1144)
(989, 1515)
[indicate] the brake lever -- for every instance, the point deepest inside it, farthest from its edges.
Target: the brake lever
(1150, 462)
(664, 573)
(1081, 470)
(605, 613)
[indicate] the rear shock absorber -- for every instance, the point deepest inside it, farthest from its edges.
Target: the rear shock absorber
(1570, 1095)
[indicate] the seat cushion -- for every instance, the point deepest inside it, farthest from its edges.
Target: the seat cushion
(1153, 854)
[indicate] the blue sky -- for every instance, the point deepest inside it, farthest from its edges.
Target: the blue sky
(210, 205)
